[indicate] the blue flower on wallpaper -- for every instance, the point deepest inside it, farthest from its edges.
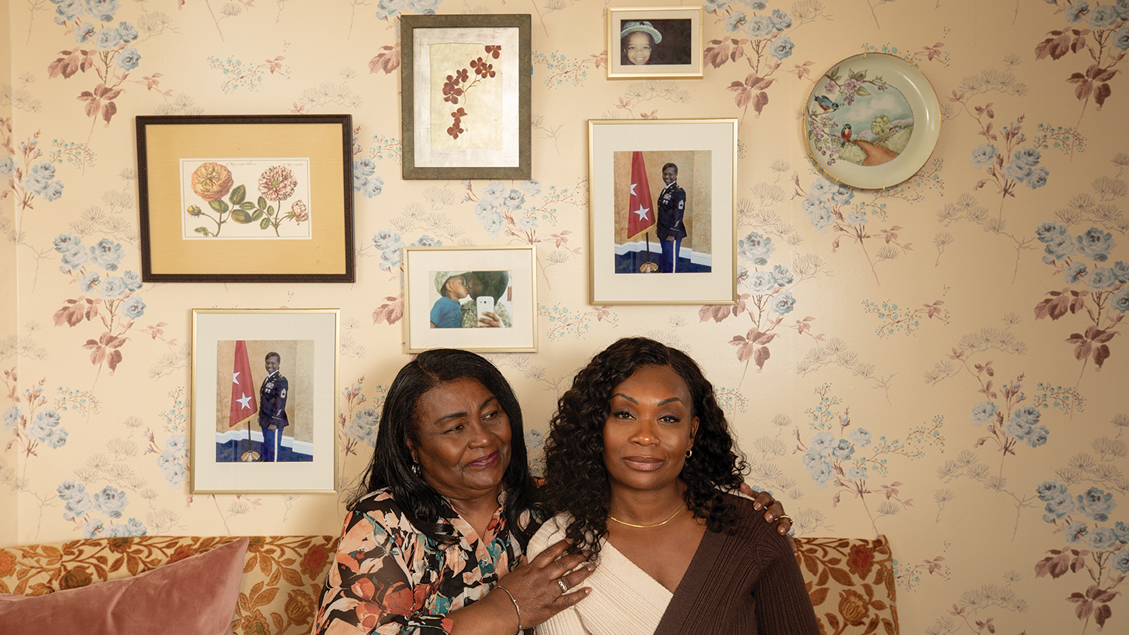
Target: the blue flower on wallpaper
(67, 10)
(45, 428)
(1096, 504)
(760, 26)
(132, 528)
(1075, 531)
(103, 10)
(1102, 538)
(427, 241)
(735, 21)
(389, 8)
(12, 418)
(856, 218)
(984, 155)
(112, 287)
(1101, 278)
(1120, 301)
(365, 179)
(83, 33)
(1121, 271)
(129, 58)
(390, 245)
(106, 254)
(781, 20)
(132, 280)
(1075, 11)
(1121, 37)
(364, 425)
(842, 194)
(861, 437)
(755, 248)
(89, 281)
(93, 528)
(1103, 16)
(762, 282)
(173, 460)
(842, 450)
(983, 411)
(783, 303)
(110, 501)
(107, 39)
(781, 47)
(1095, 244)
(40, 180)
(818, 466)
(77, 500)
(514, 199)
(1075, 273)
(1120, 560)
(127, 32)
(1025, 168)
(532, 187)
(781, 275)
(133, 308)
(7, 167)
(713, 6)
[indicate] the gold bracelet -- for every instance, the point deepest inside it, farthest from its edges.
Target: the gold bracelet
(516, 607)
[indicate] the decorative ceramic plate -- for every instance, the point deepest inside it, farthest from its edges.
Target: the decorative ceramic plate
(872, 121)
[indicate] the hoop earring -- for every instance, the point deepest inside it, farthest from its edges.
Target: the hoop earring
(690, 453)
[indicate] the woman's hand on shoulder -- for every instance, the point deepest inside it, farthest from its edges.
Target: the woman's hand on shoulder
(773, 510)
(538, 586)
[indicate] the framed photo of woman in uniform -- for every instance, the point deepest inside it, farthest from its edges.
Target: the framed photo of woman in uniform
(655, 43)
(264, 400)
(661, 202)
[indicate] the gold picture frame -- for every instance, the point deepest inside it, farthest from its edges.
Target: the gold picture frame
(670, 37)
(626, 164)
(230, 381)
(506, 275)
(263, 198)
(472, 120)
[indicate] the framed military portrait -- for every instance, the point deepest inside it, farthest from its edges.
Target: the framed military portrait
(264, 400)
(662, 211)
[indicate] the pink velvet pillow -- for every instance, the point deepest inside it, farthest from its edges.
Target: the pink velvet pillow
(196, 595)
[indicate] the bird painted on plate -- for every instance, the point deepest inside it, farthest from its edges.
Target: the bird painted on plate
(846, 134)
(826, 103)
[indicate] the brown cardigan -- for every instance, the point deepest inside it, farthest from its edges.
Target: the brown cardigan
(747, 582)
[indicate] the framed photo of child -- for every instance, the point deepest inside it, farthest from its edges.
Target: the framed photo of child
(657, 42)
(473, 298)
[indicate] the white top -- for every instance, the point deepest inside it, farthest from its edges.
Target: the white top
(625, 600)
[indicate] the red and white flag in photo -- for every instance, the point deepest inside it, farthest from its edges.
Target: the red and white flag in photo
(641, 211)
(243, 401)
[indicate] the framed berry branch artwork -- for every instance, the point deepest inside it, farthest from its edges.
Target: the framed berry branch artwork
(465, 83)
(246, 198)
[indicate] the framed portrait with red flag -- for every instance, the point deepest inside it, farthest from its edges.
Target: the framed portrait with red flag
(662, 211)
(264, 400)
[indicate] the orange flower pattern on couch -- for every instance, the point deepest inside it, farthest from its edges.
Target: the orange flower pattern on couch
(282, 575)
(851, 584)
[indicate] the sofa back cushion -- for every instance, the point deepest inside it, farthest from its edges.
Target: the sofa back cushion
(851, 584)
(196, 595)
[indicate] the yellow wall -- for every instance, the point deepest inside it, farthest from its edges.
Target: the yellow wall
(902, 328)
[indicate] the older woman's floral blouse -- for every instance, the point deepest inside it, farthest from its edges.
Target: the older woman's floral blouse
(388, 577)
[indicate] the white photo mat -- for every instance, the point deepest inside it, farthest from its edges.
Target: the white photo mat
(210, 326)
(618, 16)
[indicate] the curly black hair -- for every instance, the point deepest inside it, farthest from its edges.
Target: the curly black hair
(391, 465)
(575, 475)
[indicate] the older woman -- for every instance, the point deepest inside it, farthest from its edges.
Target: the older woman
(434, 541)
(639, 465)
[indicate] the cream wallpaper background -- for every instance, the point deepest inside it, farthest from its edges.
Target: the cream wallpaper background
(941, 362)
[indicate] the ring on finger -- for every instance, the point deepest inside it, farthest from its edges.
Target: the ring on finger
(783, 516)
(562, 584)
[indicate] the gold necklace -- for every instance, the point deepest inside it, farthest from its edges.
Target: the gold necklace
(669, 518)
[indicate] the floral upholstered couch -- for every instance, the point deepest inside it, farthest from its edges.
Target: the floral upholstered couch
(850, 580)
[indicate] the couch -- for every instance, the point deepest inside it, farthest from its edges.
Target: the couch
(850, 580)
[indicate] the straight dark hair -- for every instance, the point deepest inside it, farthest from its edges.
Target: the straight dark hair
(391, 465)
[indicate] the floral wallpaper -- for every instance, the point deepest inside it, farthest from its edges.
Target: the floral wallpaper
(942, 362)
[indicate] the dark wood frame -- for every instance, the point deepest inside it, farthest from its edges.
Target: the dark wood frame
(155, 222)
(408, 24)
